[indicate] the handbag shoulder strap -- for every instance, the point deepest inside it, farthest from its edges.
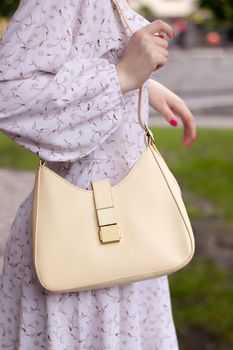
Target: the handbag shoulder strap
(141, 122)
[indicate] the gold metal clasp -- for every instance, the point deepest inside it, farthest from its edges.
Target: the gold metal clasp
(106, 211)
(41, 161)
(108, 231)
(149, 134)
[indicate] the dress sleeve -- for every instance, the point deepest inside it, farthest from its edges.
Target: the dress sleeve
(60, 108)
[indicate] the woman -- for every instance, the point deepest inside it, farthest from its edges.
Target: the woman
(70, 72)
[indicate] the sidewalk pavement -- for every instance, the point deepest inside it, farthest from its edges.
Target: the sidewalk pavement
(198, 72)
(15, 185)
(202, 78)
(215, 122)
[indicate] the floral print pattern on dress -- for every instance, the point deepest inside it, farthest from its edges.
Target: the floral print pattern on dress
(60, 98)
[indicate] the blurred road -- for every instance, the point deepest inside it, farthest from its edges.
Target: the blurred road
(202, 77)
(222, 122)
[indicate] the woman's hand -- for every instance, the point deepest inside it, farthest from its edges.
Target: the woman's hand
(145, 52)
(169, 104)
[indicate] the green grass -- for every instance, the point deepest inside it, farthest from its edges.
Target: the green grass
(202, 299)
(15, 156)
(206, 168)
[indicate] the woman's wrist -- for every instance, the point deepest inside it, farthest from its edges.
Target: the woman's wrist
(123, 80)
(126, 82)
(153, 87)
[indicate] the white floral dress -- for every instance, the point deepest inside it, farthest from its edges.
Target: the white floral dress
(60, 98)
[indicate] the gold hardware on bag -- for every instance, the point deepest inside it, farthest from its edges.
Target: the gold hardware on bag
(106, 211)
(106, 216)
(41, 161)
(108, 231)
(149, 133)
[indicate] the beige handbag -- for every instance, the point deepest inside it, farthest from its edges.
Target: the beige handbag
(89, 239)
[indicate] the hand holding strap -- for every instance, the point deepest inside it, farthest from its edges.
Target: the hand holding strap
(149, 138)
(143, 125)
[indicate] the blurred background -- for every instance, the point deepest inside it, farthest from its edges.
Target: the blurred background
(200, 71)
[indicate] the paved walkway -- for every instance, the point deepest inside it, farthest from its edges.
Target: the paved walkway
(225, 122)
(14, 187)
(202, 78)
(198, 72)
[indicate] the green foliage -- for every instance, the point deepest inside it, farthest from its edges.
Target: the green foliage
(147, 12)
(8, 7)
(202, 299)
(222, 9)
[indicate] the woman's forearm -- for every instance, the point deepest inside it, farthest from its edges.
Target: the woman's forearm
(153, 88)
(150, 87)
(156, 93)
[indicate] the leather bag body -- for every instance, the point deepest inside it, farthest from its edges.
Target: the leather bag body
(89, 239)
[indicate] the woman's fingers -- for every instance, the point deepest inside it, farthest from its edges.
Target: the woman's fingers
(161, 55)
(159, 26)
(162, 59)
(170, 116)
(160, 42)
(188, 120)
(142, 55)
(162, 51)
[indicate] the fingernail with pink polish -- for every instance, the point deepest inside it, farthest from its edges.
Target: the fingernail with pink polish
(173, 122)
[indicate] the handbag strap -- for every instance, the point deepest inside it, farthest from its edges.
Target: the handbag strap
(148, 133)
(116, 2)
